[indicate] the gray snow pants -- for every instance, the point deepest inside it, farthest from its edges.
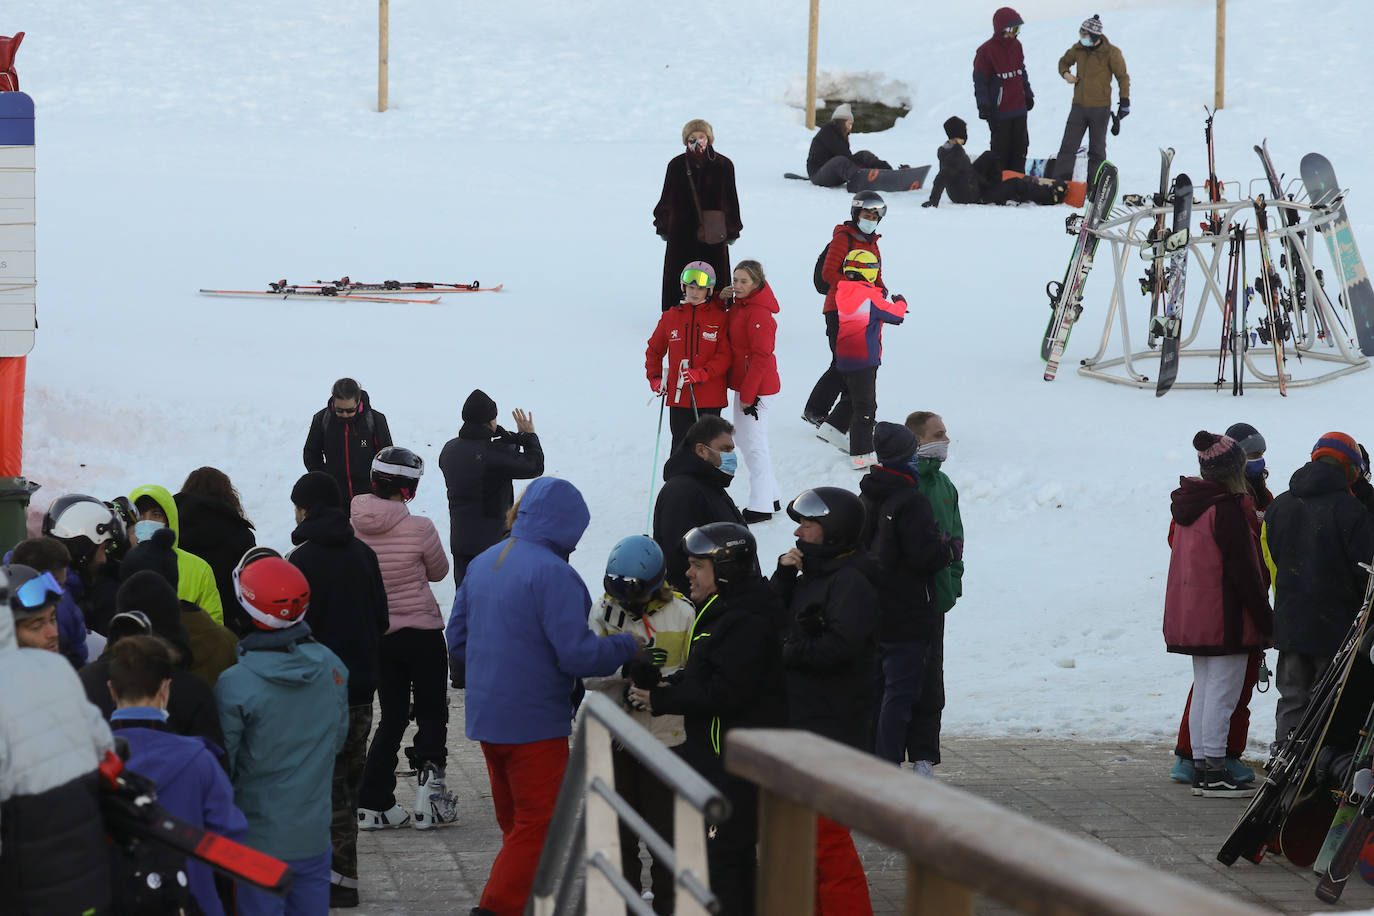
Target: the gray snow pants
(1296, 673)
(1092, 120)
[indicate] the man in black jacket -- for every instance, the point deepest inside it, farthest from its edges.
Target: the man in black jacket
(732, 679)
(479, 465)
(828, 658)
(344, 437)
(695, 477)
(829, 163)
(1316, 535)
(907, 548)
(348, 614)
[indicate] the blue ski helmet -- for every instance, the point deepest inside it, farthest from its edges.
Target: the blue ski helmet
(634, 570)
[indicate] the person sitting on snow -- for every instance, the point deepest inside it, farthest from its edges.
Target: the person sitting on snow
(829, 163)
(979, 182)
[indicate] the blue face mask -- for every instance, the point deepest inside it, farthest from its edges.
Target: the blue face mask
(1254, 467)
(729, 462)
(868, 226)
(143, 531)
(1087, 42)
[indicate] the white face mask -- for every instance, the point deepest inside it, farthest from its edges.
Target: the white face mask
(937, 450)
(867, 226)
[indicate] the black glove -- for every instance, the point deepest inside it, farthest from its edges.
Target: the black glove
(1030, 103)
(930, 203)
(811, 619)
(752, 410)
(645, 669)
(899, 298)
(457, 674)
(985, 113)
(1123, 108)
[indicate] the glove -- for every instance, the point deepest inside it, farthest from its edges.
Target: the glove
(662, 237)
(645, 669)
(732, 241)
(930, 203)
(656, 384)
(457, 674)
(694, 376)
(955, 546)
(1030, 103)
(1365, 456)
(1123, 108)
(899, 298)
(752, 410)
(1363, 491)
(985, 113)
(811, 619)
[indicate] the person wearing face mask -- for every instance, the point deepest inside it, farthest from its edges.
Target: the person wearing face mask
(698, 212)
(1256, 474)
(908, 551)
(830, 163)
(694, 482)
(828, 655)
(694, 336)
(1002, 90)
(829, 404)
(195, 579)
(1096, 61)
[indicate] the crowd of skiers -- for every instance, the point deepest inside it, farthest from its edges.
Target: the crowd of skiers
(1233, 542)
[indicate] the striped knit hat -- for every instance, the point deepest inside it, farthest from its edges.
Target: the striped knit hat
(1342, 448)
(1218, 457)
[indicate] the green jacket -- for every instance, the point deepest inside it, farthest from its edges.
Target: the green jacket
(1096, 67)
(195, 578)
(944, 500)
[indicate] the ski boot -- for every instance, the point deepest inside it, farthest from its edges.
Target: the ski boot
(434, 804)
(396, 816)
(1163, 327)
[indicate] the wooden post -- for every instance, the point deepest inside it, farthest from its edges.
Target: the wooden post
(1219, 98)
(811, 43)
(600, 822)
(787, 857)
(927, 892)
(382, 29)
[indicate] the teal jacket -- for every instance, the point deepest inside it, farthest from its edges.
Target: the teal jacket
(944, 500)
(284, 709)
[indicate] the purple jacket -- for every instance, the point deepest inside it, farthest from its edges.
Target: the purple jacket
(191, 784)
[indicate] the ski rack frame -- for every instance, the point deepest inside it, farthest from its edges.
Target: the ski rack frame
(1124, 234)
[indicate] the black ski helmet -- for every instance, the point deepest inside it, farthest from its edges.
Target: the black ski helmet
(867, 200)
(396, 470)
(634, 570)
(83, 523)
(839, 512)
(731, 549)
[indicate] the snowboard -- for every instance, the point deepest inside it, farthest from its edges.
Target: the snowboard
(1066, 297)
(1320, 180)
(888, 179)
(1169, 326)
(795, 176)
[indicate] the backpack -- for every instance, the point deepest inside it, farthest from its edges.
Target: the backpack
(821, 286)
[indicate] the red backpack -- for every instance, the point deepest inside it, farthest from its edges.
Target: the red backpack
(9, 77)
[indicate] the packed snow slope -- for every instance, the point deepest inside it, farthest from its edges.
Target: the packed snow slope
(231, 144)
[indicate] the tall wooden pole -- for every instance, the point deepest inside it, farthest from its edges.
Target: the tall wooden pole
(1219, 98)
(812, 41)
(382, 29)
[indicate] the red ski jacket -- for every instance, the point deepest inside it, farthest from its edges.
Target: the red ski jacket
(753, 330)
(845, 239)
(863, 312)
(696, 337)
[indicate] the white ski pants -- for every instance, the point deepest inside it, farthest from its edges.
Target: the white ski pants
(1217, 680)
(751, 441)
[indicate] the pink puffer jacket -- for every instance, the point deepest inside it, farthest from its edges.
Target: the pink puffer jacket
(410, 555)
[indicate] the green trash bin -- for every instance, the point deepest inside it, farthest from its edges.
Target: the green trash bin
(14, 505)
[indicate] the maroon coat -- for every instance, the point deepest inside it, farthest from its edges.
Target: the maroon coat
(845, 239)
(1001, 87)
(1215, 602)
(753, 332)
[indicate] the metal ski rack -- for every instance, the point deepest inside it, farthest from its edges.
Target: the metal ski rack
(1127, 235)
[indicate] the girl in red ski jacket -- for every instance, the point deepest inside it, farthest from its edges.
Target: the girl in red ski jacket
(862, 311)
(754, 379)
(1216, 607)
(695, 338)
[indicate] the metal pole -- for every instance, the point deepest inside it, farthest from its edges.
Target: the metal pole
(382, 29)
(1219, 99)
(811, 44)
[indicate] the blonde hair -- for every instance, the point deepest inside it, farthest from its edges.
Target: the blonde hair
(755, 271)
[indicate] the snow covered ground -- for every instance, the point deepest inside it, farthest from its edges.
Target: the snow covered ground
(236, 143)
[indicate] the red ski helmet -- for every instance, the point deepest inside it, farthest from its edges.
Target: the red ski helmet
(272, 590)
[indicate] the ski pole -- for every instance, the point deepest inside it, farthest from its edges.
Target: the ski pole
(653, 471)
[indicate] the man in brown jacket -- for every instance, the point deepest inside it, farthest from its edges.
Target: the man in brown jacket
(1097, 60)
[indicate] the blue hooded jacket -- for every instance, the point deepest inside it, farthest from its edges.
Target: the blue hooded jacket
(518, 630)
(284, 708)
(190, 785)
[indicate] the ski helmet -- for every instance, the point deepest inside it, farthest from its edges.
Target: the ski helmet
(731, 549)
(698, 273)
(83, 523)
(26, 591)
(867, 200)
(273, 591)
(862, 263)
(839, 512)
(634, 570)
(396, 470)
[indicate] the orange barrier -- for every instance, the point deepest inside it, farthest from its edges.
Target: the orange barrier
(12, 415)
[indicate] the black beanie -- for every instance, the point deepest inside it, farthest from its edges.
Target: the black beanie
(315, 490)
(479, 408)
(956, 129)
(893, 443)
(155, 554)
(148, 592)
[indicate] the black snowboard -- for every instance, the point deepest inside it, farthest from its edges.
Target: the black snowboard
(889, 179)
(1171, 321)
(1320, 179)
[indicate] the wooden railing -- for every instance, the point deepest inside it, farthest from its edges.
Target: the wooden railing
(957, 845)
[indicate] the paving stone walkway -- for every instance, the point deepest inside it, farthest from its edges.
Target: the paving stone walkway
(1117, 793)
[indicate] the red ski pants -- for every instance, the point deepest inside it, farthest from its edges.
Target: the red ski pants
(841, 887)
(524, 786)
(1240, 719)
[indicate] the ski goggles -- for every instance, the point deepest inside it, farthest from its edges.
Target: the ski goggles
(35, 592)
(808, 505)
(1012, 32)
(696, 277)
(129, 623)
